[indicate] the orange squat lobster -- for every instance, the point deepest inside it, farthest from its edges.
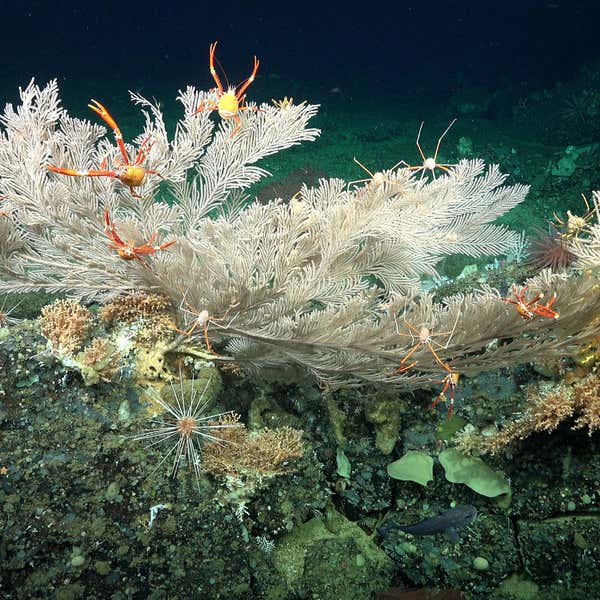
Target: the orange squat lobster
(528, 309)
(229, 103)
(128, 250)
(424, 338)
(449, 383)
(131, 174)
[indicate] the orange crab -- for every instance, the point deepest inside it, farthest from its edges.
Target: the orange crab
(128, 250)
(229, 103)
(528, 309)
(131, 174)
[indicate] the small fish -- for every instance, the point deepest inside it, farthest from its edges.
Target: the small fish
(448, 522)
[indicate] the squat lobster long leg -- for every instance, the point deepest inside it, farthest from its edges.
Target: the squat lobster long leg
(450, 382)
(202, 319)
(425, 339)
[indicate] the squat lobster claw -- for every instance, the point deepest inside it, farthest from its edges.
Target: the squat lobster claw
(231, 102)
(131, 174)
(128, 250)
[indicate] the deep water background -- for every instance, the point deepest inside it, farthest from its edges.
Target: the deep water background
(521, 77)
(154, 44)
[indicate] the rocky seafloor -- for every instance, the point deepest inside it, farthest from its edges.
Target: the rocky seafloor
(86, 513)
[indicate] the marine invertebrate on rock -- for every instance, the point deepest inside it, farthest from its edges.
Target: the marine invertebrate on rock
(265, 452)
(316, 283)
(587, 401)
(186, 425)
(550, 250)
(152, 314)
(547, 407)
(137, 305)
(99, 361)
(65, 324)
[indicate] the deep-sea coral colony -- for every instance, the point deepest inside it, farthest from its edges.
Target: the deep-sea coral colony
(131, 174)
(271, 262)
(66, 325)
(244, 454)
(129, 337)
(547, 406)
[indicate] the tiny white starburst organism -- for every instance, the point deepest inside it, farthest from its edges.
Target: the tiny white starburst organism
(186, 424)
(5, 312)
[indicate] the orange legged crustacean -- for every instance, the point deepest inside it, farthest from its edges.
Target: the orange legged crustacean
(128, 250)
(449, 382)
(424, 338)
(131, 174)
(231, 102)
(528, 309)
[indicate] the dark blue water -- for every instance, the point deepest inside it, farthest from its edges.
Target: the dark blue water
(380, 45)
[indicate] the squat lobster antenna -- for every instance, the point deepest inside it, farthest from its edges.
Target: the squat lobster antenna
(439, 142)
